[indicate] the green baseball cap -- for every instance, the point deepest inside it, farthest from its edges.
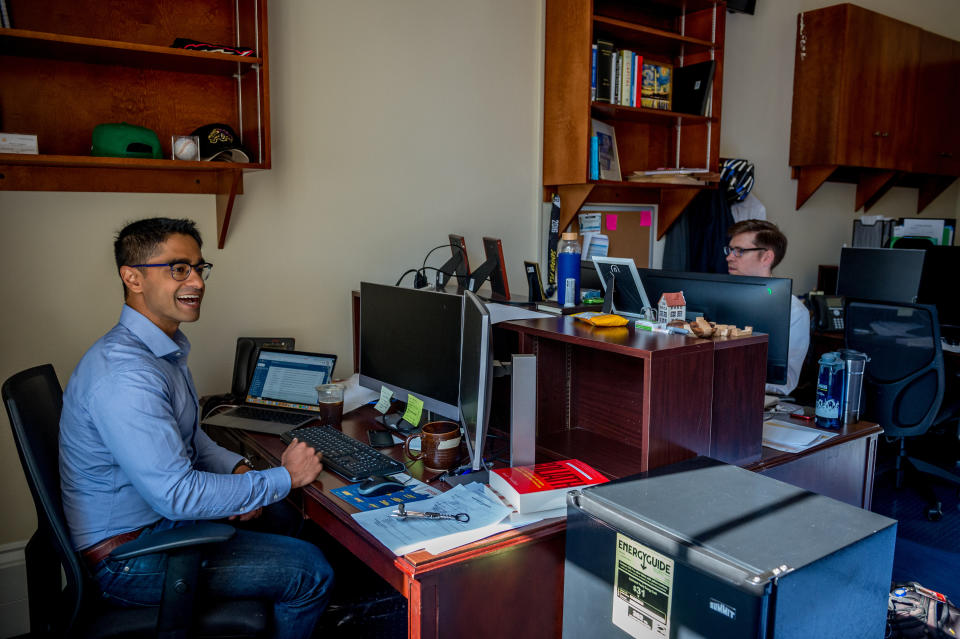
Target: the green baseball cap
(122, 140)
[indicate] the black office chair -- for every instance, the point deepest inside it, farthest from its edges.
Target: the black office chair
(33, 399)
(905, 386)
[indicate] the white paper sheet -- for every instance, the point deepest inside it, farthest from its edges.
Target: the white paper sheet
(402, 536)
(505, 313)
(792, 438)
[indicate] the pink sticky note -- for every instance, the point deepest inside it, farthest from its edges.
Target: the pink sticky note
(611, 222)
(645, 218)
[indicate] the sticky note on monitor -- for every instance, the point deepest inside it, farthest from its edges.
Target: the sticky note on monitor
(414, 410)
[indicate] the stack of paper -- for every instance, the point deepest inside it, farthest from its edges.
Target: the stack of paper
(792, 438)
(488, 516)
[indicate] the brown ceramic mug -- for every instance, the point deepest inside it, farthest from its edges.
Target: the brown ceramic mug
(439, 446)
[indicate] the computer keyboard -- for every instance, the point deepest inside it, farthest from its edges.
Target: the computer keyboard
(278, 416)
(344, 455)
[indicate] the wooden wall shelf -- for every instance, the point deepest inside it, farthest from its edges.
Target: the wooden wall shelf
(69, 65)
(681, 32)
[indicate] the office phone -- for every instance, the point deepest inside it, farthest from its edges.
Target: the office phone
(829, 312)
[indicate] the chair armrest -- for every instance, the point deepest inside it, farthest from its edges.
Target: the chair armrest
(173, 539)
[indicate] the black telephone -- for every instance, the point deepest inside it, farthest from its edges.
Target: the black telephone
(829, 312)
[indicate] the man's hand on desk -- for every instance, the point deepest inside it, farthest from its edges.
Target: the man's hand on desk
(302, 462)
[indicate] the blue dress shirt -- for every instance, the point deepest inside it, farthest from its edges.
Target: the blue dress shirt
(131, 449)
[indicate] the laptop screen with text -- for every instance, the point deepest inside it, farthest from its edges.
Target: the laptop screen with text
(289, 379)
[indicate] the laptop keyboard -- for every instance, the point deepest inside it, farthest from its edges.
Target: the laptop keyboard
(278, 416)
(343, 454)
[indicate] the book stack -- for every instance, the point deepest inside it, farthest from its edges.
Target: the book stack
(615, 75)
(675, 176)
(542, 486)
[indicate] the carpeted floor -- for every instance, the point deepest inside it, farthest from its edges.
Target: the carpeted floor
(927, 552)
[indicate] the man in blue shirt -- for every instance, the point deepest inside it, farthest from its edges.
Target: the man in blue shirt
(133, 459)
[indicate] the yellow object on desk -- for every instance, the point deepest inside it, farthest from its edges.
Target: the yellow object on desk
(601, 319)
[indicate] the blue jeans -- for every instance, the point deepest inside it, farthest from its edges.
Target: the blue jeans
(291, 572)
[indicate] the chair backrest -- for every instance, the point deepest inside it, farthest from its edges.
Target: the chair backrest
(34, 399)
(904, 379)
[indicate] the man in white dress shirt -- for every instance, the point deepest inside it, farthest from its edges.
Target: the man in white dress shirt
(755, 248)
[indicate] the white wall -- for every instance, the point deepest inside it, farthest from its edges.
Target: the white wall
(757, 105)
(394, 123)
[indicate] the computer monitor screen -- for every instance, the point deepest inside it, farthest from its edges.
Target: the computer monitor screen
(629, 295)
(880, 274)
(410, 343)
(938, 285)
(760, 302)
(476, 375)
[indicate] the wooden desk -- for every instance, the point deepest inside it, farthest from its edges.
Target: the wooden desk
(841, 467)
(511, 583)
(626, 401)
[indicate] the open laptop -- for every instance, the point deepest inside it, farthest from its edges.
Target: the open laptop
(281, 392)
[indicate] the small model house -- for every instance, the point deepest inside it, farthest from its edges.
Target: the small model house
(672, 306)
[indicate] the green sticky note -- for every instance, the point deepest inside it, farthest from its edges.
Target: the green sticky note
(414, 409)
(383, 404)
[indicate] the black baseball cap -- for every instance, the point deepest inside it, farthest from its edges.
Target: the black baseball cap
(219, 142)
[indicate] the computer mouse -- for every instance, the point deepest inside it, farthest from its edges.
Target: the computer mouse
(376, 485)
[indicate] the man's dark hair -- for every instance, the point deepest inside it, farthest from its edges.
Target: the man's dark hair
(138, 241)
(768, 237)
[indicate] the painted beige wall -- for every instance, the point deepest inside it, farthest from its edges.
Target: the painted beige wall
(393, 125)
(757, 105)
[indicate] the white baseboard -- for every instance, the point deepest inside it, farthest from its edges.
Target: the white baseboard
(14, 614)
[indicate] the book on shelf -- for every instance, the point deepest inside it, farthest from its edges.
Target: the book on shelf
(543, 486)
(593, 72)
(675, 176)
(692, 87)
(656, 88)
(554, 308)
(608, 160)
(594, 158)
(604, 66)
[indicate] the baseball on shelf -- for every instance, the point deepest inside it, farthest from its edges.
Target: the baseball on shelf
(185, 149)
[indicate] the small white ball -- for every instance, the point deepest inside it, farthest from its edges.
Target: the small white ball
(185, 149)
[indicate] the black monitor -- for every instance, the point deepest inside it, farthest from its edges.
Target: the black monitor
(761, 302)
(410, 343)
(458, 264)
(880, 274)
(938, 285)
(476, 376)
(494, 269)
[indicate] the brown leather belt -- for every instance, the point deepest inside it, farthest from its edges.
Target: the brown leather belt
(99, 551)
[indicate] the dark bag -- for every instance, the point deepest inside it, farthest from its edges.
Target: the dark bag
(915, 611)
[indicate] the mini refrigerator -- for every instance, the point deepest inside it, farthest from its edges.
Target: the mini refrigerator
(702, 549)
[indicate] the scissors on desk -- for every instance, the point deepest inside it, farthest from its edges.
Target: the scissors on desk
(403, 513)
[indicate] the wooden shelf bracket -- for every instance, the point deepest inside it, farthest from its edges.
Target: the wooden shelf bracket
(872, 186)
(809, 179)
(230, 184)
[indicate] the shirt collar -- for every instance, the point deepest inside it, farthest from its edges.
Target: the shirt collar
(150, 334)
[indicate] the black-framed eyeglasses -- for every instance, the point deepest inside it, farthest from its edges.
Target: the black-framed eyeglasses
(738, 252)
(180, 271)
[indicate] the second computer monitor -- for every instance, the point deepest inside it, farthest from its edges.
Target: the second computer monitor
(410, 343)
(880, 274)
(761, 302)
(476, 375)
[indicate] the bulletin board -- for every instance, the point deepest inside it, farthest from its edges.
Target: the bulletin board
(630, 230)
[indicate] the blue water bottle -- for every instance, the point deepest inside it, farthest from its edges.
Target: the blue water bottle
(829, 410)
(568, 270)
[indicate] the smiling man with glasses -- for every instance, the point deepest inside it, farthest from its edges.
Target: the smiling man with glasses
(755, 248)
(133, 459)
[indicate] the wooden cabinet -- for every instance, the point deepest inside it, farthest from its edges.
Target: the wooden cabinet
(68, 65)
(680, 32)
(873, 104)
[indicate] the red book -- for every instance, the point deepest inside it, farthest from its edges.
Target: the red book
(542, 486)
